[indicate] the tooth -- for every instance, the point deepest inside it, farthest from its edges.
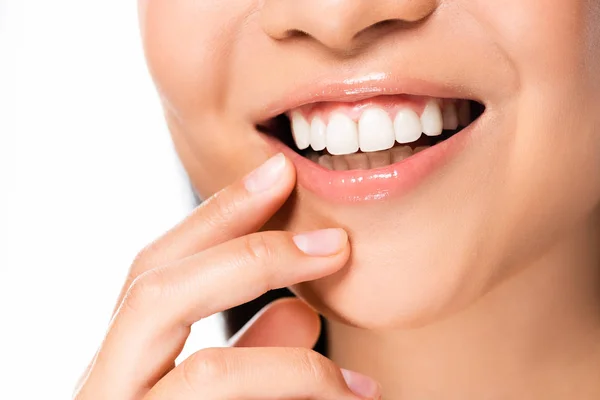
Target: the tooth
(326, 161)
(380, 159)
(313, 156)
(342, 135)
(400, 153)
(375, 130)
(340, 164)
(464, 113)
(450, 116)
(359, 161)
(300, 131)
(407, 126)
(432, 120)
(317, 134)
(419, 149)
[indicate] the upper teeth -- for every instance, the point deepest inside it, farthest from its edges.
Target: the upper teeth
(375, 130)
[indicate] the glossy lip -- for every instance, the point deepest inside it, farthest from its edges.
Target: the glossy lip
(375, 184)
(357, 89)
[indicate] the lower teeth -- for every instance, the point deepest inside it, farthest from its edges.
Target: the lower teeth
(364, 161)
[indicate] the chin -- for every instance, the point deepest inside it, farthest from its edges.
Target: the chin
(391, 292)
(403, 273)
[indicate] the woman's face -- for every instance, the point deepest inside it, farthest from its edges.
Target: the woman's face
(434, 232)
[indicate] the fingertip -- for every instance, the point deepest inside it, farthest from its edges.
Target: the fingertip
(278, 171)
(287, 322)
(266, 175)
(323, 242)
(362, 385)
(289, 174)
(290, 310)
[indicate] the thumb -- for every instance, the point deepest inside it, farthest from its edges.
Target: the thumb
(285, 322)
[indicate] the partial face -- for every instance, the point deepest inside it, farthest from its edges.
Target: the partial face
(453, 140)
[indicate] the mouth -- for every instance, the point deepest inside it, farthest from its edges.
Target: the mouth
(371, 148)
(370, 134)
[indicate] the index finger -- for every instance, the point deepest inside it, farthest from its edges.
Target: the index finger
(239, 209)
(236, 210)
(154, 321)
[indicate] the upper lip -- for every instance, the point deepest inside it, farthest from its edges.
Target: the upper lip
(358, 88)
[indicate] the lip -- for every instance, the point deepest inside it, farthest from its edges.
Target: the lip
(394, 180)
(357, 89)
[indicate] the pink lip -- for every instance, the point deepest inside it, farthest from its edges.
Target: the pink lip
(375, 184)
(356, 89)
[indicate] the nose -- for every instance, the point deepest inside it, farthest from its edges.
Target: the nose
(340, 25)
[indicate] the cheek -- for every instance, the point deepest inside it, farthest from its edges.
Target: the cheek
(552, 42)
(553, 168)
(555, 165)
(174, 54)
(188, 45)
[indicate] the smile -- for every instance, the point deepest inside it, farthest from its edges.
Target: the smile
(369, 144)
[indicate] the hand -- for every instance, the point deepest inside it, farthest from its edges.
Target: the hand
(212, 261)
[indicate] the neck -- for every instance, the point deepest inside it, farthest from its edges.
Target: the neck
(535, 336)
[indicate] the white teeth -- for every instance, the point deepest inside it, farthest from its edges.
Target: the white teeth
(431, 119)
(450, 116)
(375, 130)
(300, 131)
(407, 126)
(318, 131)
(342, 135)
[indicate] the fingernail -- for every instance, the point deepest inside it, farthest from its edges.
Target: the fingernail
(361, 385)
(265, 176)
(325, 242)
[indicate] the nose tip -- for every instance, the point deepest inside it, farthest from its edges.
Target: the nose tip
(339, 24)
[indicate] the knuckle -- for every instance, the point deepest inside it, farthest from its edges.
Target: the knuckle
(143, 261)
(258, 248)
(144, 257)
(205, 367)
(259, 251)
(145, 291)
(314, 364)
(223, 210)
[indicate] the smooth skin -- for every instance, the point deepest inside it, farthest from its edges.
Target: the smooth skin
(210, 262)
(481, 283)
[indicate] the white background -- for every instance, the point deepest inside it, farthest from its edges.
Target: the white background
(88, 176)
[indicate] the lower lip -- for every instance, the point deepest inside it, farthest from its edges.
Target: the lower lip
(394, 180)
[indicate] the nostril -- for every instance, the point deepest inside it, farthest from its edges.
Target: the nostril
(385, 24)
(395, 24)
(296, 33)
(337, 24)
